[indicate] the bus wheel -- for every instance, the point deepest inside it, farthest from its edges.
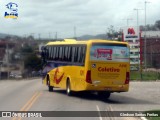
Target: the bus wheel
(104, 94)
(50, 88)
(68, 88)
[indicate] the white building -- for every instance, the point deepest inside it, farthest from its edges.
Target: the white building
(151, 34)
(131, 35)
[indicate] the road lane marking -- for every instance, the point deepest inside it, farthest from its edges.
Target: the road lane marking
(29, 104)
(110, 107)
(99, 112)
(110, 115)
(29, 101)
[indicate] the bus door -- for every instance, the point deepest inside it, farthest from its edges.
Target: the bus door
(109, 64)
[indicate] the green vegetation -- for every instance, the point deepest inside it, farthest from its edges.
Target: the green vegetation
(153, 118)
(153, 114)
(145, 76)
(31, 60)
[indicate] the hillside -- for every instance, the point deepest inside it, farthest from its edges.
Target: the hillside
(86, 37)
(2, 35)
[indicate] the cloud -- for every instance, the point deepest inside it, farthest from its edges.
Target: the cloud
(89, 16)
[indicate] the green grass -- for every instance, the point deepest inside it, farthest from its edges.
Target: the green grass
(153, 118)
(146, 76)
(155, 112)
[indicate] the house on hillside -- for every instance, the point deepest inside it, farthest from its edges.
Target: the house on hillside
(6, 49)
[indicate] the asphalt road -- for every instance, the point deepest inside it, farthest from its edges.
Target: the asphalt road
(32, 95)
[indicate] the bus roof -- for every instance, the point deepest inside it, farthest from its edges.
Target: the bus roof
(73, 41)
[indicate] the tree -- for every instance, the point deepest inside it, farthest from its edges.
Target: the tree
(26, 49)
(157, 24)
(113, 34)
(32, 62)
(30, 37)
(151, 27)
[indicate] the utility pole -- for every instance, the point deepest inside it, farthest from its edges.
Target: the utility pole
(139, 37)
(74, 32)
(137, 18)
(25, 36)
(127, 20)
(0, 68)
(39, 35)
(145, 42)
(49, 35)
(151, 54)
(56, 36)
(7, 50)
(32, 34)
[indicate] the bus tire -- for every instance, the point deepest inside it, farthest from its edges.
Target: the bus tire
(104, 94)
(50, 88)
(68, 88)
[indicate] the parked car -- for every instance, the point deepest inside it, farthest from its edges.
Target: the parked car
(133, 68)
(18, 76)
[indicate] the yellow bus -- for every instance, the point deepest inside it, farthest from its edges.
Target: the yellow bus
(102, 66)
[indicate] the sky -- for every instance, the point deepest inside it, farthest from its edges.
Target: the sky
(74, 18)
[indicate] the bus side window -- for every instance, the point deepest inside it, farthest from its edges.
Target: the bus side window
(69, 54)
(75, 54)
(54, 53)
(63, 50)
(57, 53)
(51, 52)
(60, 54)
(79, 54)
(73, 51)
(83, 54)
(48, 52)
(65, 53)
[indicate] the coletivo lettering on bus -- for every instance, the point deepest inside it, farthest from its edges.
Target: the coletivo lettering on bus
(105, 69)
